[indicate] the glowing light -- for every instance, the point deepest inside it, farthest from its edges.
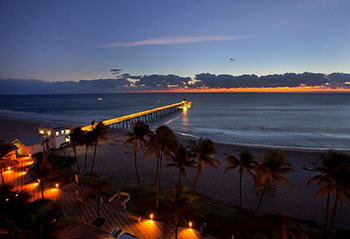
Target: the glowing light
(16, 195)
(57, 185)
(38, 181)
(30, 155)
(151, 216)
(139, 114)
(8, 168)
(190, 224)
(7, 199)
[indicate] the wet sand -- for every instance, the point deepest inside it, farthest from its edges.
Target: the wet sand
(293, 200)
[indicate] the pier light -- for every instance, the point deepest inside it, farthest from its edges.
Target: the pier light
(151, 216)
(190, 224)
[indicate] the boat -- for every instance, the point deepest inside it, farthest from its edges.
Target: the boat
(99, 99)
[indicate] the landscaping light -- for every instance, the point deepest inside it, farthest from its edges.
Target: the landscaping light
(16, 195)
(7, 199)
(151, 216)
(30, 155)
(9, 168)
(190, 224)
(38, 181)
(57, 185)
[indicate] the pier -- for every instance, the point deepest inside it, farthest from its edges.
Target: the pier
(147, 116)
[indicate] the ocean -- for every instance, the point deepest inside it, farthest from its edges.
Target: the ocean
(311, 120)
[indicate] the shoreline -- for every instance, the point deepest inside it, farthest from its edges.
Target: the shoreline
(294, 200)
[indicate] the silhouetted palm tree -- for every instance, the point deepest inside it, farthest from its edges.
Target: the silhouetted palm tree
(334, 178)
(44, 171)
(99, 188)
(180, 206)
(203, 151)
(4, 162)
(88, 142)
(99, 131)
(140, 130)
(182, 160)
(271, 172)
(245, 163)
(77, 138)
(161, 143)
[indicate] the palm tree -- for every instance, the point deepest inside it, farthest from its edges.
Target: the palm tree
(245, 163)
(161, 143)
(76, 138)
(334, 178)
(88, 141)
(203, 151)
(182, 160)
(99, 131)
(271, 172)
(180, 206)
(99, 188)
(140, 130)
(43, 171)
(4, 162)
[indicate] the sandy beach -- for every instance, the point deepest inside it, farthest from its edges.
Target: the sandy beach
(293, 200)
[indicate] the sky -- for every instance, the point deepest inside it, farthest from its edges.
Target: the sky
(59, 40)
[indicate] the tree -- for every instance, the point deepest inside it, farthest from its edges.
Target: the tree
(22, 218)
(44, 171)
(5, 162)
(88, 141)
(203, 151)
(245, 163)
(180, 206)
(161, 143)
(182, 160)
(99, 188)
(334, 179)
(76, 138)
(137, 137)
(99, 131)
(271, 172)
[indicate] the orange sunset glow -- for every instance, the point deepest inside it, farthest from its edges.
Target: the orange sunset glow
(301, 89)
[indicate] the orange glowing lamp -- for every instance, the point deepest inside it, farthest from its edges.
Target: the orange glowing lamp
(57, 185)
(151, 216)
(190, 224)
(9, 168)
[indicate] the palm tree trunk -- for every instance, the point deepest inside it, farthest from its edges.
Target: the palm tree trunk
(326, 215)
(98, 210)
(158, 181)
(93, 158)
(137, 173)
(156, 178)
(196, 178)
(42, 189)
(86, 151)
(76, 158)
(240, 190)
(179, 177)
(176, 229)
(261, 197)
(2, 178)
(334, 212)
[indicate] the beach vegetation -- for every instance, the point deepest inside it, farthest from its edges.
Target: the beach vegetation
(245, 163)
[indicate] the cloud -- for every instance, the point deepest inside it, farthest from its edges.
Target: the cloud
(172, 41)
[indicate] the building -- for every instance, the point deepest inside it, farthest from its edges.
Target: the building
(29, 145)
(57, 135)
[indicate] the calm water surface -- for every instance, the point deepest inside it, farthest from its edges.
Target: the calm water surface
(307, 120)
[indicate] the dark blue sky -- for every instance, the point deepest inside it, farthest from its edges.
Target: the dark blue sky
(82, 39)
